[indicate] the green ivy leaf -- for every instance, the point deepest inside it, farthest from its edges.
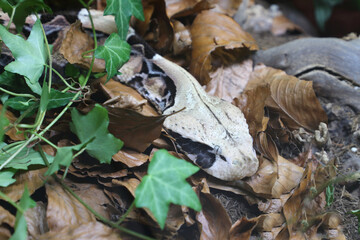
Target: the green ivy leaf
(122, 10)
(4, 122)
(24, 159)
(166, 183)
(63, 157)
(94, 125)
(56, 99)
(116, 52)
(6, 177)
(23, 8)
(30, 55)
(20, 222)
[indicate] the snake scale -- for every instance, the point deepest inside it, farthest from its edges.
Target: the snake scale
(213, 133)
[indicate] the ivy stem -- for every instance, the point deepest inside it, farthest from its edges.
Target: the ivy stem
(95, 40)
(63, 79)
(17, 94)
(126, 213)
(46, 140)
(11, 18)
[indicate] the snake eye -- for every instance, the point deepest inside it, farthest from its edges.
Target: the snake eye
(217, 150)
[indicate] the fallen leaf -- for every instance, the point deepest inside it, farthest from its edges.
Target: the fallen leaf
(84, 231)
(181, 8)
(227, 82)
(130, 158)
(63, 209)
(213, 31)
(36, 220)
(281, 25)
(182, 37)
(13, 133)
(136, 130)
(213, 220)
(75, 43)
(242, 229)
(34, 179)
(252, 103)
(6, 220)
(293, 99)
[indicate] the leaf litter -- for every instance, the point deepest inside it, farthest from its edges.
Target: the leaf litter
(288, 190)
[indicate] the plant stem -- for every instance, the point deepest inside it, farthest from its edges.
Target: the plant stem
(126, 213)
(63, 79)
(11, 18)
(46, 140)
(17, 94)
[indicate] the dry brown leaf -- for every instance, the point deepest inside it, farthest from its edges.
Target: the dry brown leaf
(242, 229)
(14, 134)
(183, 8)
(218, 34)
(33, 179)
(84, 231)
(36, 220)
(127, 96)
(281, 25)
(63, 209)
(272, 205)
(266, 146)
(252, 103)
(6, 220)
(77, 42)
(136, 130)
(93, 195)
(213, 220)
(130, 158)
(264, 179)
(289, 177)
(293, 99)
(156, 29)
(227, 82)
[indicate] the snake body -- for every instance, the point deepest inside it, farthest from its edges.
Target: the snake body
(211, 132)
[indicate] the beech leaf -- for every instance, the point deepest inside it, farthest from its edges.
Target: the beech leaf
(166, 183)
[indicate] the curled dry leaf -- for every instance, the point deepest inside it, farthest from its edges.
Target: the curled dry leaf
(213, 220)
(227, 82)
(243, 228)
(63, 209)
(36, 220)
(136, 130)
(34, 179)
(218, 34)
(6, 219)
(293, 99)
(75, 43)
(156, 29)
(181, 8)
(126, 97)
(282, 25)
(86, 231)
(252, 103)
(130, 158)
